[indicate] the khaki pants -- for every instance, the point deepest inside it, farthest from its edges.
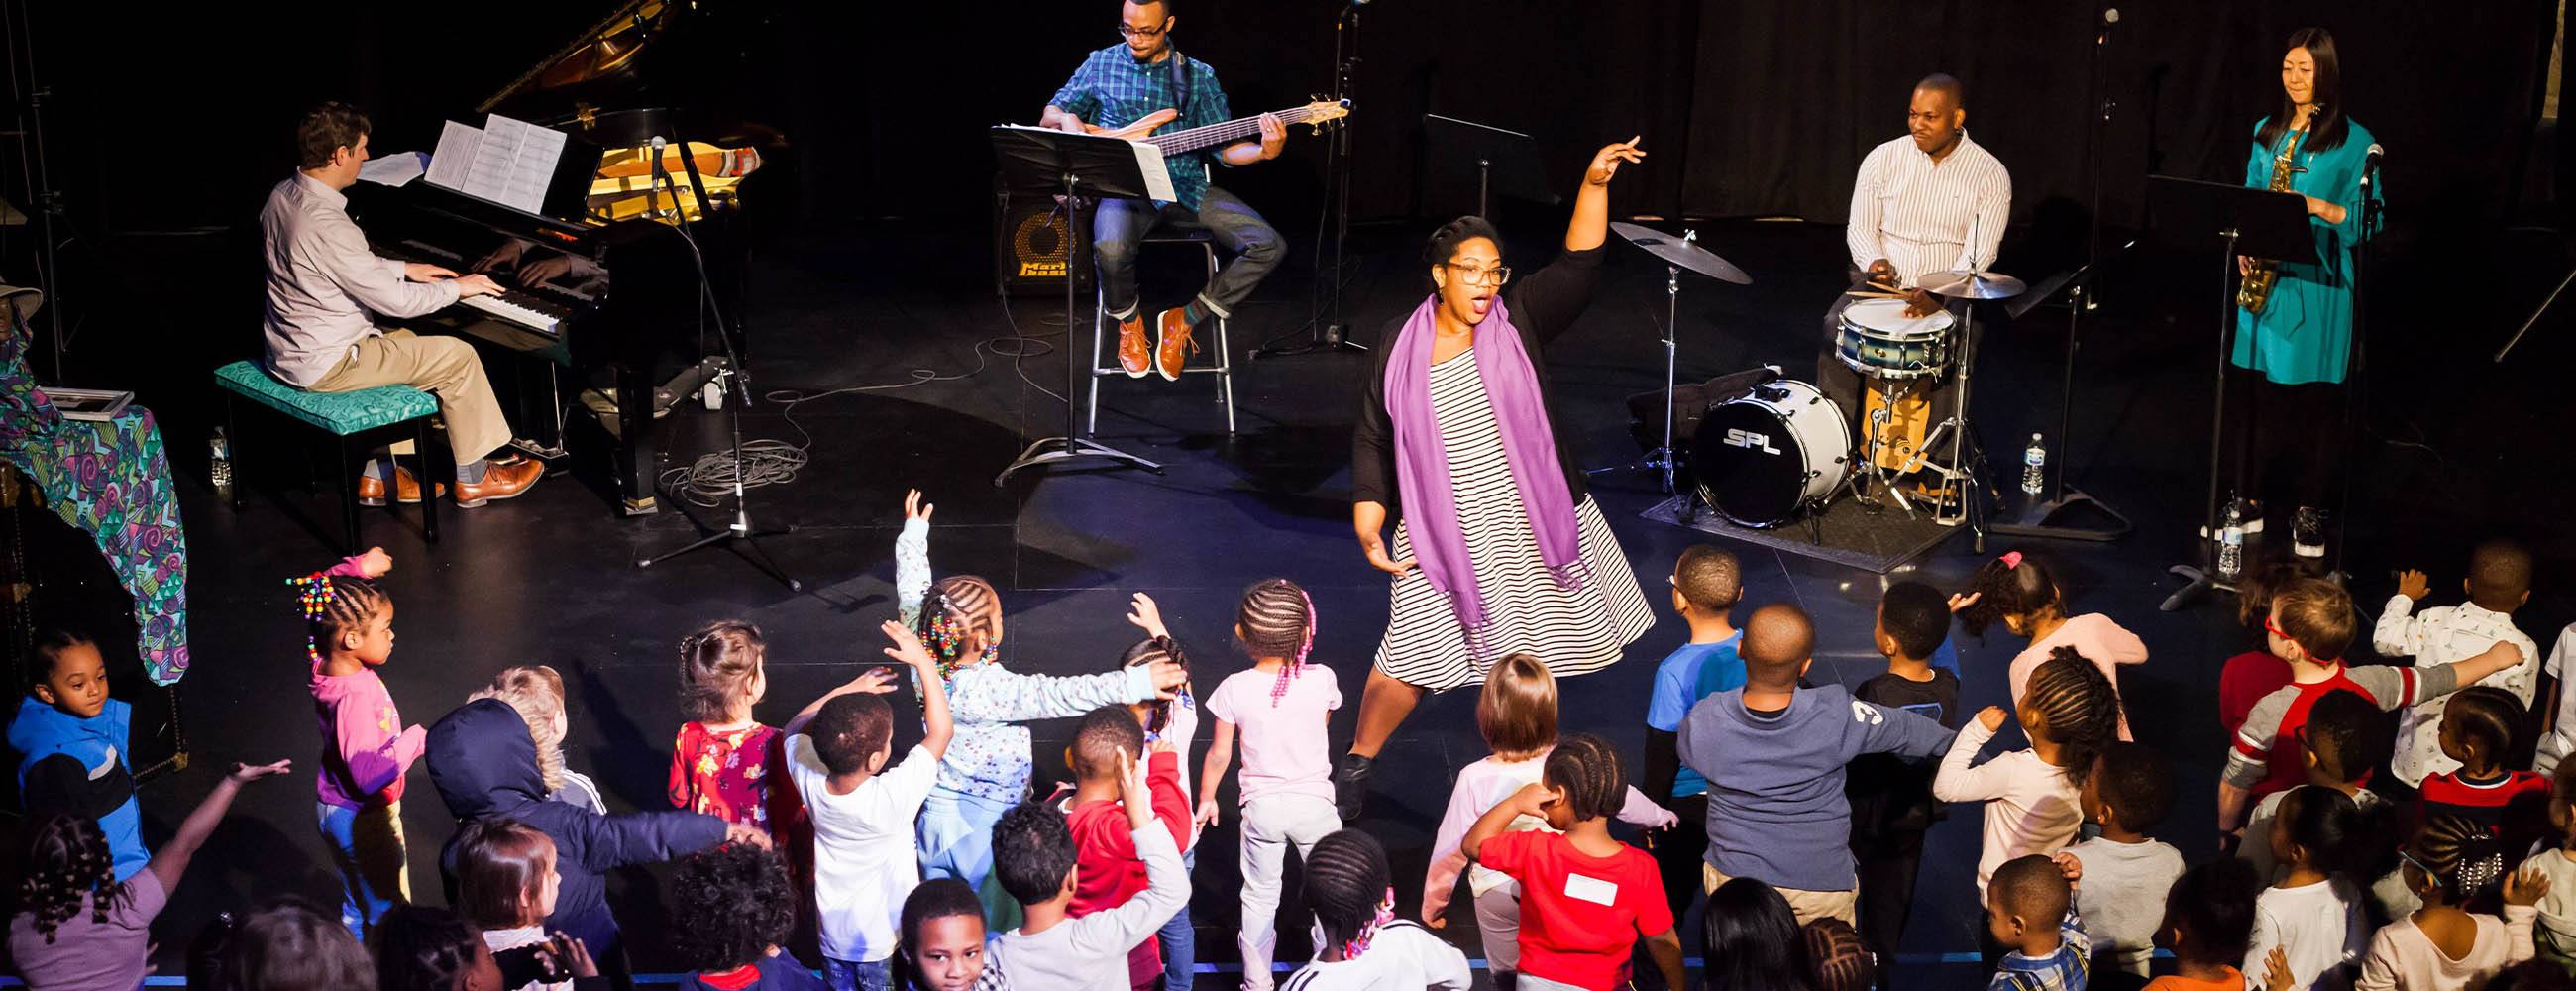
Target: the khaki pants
(444, 367)
(1806, 905)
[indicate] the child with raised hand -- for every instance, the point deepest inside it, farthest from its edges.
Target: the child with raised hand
(1360, 944)
(2208, 919)
(839, 753)
(1111, 870)
(2314, 914)
(945, 945)
(1707, 583)
(72, 745)
(2499, 582)
(2130, 790)
(1891, 798)
(1280, 706)
(2477, 735)
(2310, 625)
(536, 691)
(2031, 796)
(2019, 592)
(722, 761)
(1776, 754)
(734, 906)
(2442, 947)
(987, 767)
(74, 924)
(365, 747)
(1035, 858)
(2031, 912)
(421, 948)
(1516, 714)
(1586, 898)
(1175, 719)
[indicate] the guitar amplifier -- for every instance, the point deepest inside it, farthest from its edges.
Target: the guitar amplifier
(1034, 246)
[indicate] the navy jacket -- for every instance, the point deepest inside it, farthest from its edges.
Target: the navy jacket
(485, 765)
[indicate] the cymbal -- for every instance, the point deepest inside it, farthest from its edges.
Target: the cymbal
(1682, 253)
(1973, 285)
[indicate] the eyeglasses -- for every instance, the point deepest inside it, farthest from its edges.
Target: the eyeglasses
(1149, 34)
(2276, 630)
(1477, 275)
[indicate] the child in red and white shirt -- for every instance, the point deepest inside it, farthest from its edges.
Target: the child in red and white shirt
(1585, 898)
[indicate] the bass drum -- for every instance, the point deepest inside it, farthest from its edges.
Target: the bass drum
(1761, 457)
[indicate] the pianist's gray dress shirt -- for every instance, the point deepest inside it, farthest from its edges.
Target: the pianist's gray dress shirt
(322, 281)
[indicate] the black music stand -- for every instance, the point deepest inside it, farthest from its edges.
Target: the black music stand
(1503, 161)
(1037, 161)
(2055, 517)
(2235, 220)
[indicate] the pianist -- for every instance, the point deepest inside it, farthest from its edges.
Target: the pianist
(323, 283)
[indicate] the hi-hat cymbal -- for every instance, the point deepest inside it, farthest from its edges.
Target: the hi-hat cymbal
(1681, 253)
(1973, 285)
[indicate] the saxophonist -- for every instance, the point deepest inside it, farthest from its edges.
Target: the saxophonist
(2294, 321)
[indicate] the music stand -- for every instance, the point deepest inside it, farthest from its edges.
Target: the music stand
(1037, 161)
(2236, 221)
(2051, 518)
(1504, 161)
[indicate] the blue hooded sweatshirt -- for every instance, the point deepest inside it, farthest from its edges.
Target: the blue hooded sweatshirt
(89, 777)
(484, 765)
(1776, 810)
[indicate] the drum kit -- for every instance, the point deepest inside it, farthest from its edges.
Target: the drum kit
(1782, 451)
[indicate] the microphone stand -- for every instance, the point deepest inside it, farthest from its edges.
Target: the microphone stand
(738, 533)
(2352, 396)
(1324, 312)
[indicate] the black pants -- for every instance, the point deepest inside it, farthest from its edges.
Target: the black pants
(1679, 853)
(2288, 440)
(1888, 865)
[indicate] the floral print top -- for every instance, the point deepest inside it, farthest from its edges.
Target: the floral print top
(725, 774)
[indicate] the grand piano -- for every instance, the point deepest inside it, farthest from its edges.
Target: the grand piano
(606, 286)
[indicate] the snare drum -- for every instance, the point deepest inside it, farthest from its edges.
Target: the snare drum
(1761, 457)
(1877, 339)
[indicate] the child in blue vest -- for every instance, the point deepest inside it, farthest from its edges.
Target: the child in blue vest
(71, 742)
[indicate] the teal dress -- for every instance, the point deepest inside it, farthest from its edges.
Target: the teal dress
(2305, 332)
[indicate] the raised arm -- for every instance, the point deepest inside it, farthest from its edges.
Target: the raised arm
(1958, 782)
(874, 681)
(171, 861)
(1531, 800)
(912, 559)
(936, 726)
(1591, 223)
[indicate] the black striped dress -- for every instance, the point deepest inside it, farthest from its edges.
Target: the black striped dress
(1573, 630)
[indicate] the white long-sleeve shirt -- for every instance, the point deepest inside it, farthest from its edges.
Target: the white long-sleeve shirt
(2442, 635)
(1481, 786)
(2319, 926)
(322, 281)
(2030, 805)
(2401, 956)
(1922, 216)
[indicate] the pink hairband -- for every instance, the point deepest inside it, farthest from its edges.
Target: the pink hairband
(2011, 560)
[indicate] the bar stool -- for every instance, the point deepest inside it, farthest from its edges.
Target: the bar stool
(1169, 232)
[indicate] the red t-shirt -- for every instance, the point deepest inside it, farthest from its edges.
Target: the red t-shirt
(1581, 915)
(2515, 807)
(2244, 681)
(1104, 851)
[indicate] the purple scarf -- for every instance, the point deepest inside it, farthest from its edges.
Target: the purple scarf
(1422, 463)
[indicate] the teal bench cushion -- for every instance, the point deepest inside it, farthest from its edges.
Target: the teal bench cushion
(342, 413)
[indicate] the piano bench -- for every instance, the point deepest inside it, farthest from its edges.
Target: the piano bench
(1102, 330)
(346, 416)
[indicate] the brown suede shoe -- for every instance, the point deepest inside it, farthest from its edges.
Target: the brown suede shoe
(499, 482)
(1173, 347)
(371, 491)
(1135, 354)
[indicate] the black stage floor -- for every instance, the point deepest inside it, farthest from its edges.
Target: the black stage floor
(551, 578)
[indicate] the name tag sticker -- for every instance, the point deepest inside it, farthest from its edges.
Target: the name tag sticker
(1591, 889)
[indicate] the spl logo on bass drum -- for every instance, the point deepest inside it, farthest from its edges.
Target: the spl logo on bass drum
(1739, 437)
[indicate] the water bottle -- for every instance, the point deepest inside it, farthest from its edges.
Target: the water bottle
(2034, 468)
(219, 456)
(2231, 539)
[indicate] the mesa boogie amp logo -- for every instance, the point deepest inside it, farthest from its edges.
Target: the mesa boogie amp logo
(1739, 437)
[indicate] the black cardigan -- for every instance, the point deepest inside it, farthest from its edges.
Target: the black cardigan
(1543, 304)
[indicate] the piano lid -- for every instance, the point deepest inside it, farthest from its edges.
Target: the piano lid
(604, 57)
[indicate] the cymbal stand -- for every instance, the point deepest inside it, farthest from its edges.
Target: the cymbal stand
(1661, 459)
(1967, 459)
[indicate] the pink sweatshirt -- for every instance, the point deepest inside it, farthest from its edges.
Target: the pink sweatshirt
(365, 748)
(2103, 642)
(1481, 786)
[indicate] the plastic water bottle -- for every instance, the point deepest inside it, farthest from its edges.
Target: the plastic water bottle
(2231, 539)
(219, 455)
(2034, 468)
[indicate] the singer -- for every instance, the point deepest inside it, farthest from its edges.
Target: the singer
(2290, 359)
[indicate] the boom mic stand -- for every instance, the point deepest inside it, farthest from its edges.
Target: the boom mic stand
(1324, 305)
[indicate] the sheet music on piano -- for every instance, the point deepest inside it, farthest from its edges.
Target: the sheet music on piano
(506, 161)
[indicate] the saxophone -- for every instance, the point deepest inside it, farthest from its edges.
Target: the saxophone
(2256, 288)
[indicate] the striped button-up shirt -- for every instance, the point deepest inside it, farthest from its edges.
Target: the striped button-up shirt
(322, 282)
(1112, 89)
(1921, 215)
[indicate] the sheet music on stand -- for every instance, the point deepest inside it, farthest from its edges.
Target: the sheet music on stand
(506, 161)
(1149, 160)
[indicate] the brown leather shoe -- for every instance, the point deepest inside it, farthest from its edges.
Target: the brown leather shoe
(1135, 354)
(371, 491)
(1173, 346)
(499, 482)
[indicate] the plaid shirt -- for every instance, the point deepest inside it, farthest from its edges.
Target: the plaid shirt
(1112, 89)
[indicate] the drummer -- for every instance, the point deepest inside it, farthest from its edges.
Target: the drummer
(1918, 203)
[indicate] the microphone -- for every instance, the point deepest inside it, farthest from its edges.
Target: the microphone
(2370, 162)
(653, 188)
(2110, 16)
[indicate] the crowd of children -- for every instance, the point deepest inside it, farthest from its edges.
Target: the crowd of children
(1797, 808)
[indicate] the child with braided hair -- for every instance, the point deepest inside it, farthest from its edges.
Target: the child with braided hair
(419, 948)
(349, 633)
(2031, 796)
(1586, 898)
(72, 745)
(2020, 593)
(2313, 917)
(1175, 719)
(987, 766)
(2477, 734)
(75, 926)
(1280, 705)
(1360, 944)
(2442, 947)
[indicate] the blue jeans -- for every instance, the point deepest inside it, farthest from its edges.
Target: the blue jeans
(956, 836)
(1117, 226)
(1180, 940)
(367, 847)
(843, 975)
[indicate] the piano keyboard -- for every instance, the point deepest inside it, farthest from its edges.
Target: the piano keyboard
(520, 308)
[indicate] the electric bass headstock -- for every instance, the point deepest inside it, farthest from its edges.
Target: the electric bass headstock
(1324, 110)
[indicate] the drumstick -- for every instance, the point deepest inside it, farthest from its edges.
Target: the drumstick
(1884, 287)
(1857, 294)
